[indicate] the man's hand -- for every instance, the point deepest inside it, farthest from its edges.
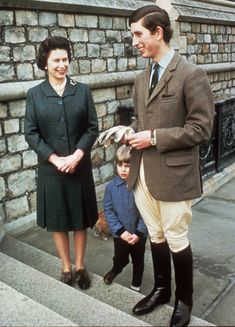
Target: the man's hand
(139, 140)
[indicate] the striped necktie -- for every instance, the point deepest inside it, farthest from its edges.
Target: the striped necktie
(154, 79)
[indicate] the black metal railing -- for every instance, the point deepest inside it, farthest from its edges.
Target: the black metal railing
(219, 151)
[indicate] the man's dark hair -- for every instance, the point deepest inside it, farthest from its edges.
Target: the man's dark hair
(49, 44)
(153, 16)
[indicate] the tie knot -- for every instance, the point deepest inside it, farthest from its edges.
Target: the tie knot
(155, 66)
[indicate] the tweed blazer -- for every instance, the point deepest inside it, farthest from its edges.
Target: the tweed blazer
(181, 109)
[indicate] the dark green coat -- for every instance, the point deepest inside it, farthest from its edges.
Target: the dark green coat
(54, 124)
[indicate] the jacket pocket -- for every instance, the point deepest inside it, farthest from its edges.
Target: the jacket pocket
(180, 160)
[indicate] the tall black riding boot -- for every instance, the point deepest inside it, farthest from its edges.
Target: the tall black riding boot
(183, 264)
(161, 292)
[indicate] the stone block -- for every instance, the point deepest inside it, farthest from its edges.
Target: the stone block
(122, 64)
(6, 17)
(78, 35)
(119, 23)
(24, 53)
(84, 66)
(4, 53)
(29, 158)
(88, 21)
(105, 22)
(101, 110)
(98, 65)
(14, 35)
(59, 32)
(124, 92)
(24, 71)
(66, 20)
(97, 156)
(6, 72)
(96, 36)
(2, 188)
(16, 143)
(108, 122)
(3, 110)
(3, 147)
(73, 68)
(21, 182)
(37, 34)
(47, 19)
(119, 49)
(93, 50)
(17, 108)
(113, 36)
(106, 172)
(79, 50)
(16, 208)
(112, 64)
(112, 106)
(11, 126)
(10, 163)
(106, 50)
(26, 17)
(102, 95)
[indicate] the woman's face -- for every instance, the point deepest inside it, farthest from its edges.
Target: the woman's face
(57, 64)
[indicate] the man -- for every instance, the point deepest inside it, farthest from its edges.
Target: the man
(174, 111)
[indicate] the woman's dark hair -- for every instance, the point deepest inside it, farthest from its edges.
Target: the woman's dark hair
(153, 16)
(49, 44)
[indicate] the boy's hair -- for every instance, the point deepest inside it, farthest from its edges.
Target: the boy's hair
(123, 154)
(153, 16)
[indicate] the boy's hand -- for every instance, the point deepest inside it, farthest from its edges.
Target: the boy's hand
(133, 239)
(125, 236)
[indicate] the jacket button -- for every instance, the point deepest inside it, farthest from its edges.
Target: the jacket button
(62, 119)
(60, 102)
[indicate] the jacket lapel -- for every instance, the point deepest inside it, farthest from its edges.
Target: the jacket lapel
(167, 75)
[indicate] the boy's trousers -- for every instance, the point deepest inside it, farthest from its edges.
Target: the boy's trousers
(122, 250)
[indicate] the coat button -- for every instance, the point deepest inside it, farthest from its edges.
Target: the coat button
(63, 138)
(62, 119)
(60, 102)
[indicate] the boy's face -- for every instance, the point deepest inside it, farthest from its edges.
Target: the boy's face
(145, 41)
(123, 170)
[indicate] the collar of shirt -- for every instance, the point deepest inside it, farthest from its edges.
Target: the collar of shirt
(163, 63)
(119, 181)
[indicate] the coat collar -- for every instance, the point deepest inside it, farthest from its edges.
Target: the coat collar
(168, 73)
(119, 181)
(70, 88)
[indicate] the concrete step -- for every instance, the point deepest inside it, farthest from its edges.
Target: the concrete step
(17, 309)
(66, 301)
(115, 294)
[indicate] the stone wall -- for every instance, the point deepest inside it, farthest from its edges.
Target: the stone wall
(102, 57)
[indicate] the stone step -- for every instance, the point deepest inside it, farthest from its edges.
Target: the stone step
(17, 309)
(66, 301)
(115, 294)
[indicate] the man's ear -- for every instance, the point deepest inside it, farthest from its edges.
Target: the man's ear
(159, 33)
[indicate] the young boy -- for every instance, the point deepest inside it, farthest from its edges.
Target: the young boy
(125, 223)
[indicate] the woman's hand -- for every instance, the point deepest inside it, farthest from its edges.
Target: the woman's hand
(72, 161)
(67, 164)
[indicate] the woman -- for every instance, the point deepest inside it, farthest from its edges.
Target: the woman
(61, 126)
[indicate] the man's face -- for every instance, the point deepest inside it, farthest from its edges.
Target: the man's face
(145, 41)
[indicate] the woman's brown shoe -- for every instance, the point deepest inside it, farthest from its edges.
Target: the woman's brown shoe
(82, 279)
(67, 278)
